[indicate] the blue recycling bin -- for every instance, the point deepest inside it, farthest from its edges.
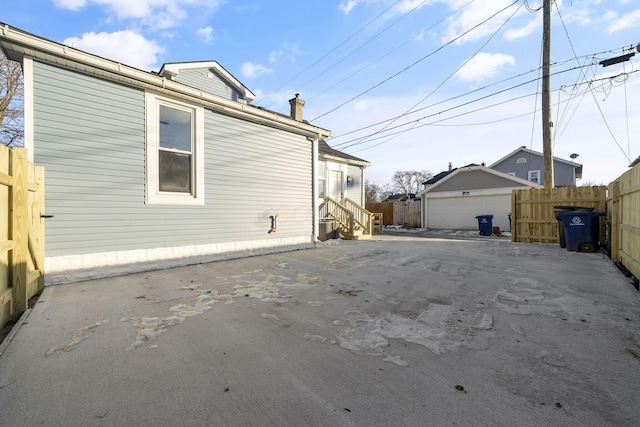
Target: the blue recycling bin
(581, 230)
(485, 224)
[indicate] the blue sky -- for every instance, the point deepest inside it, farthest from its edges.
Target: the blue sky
(404, 84)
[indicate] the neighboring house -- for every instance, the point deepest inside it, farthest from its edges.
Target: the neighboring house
(402, 197)
(528, 164)
(454, 200)
(340, 175)
(149, 170)
(340, 183)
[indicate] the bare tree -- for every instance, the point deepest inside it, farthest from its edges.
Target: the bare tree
(409, 181)
(372, 192)
(11, 102)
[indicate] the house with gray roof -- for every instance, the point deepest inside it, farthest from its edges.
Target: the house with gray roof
(147, 170)
(529, 164)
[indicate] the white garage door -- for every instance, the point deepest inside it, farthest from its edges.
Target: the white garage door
(459, 213)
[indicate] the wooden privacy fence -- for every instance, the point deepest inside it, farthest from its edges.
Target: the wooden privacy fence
(386, 209)
(623, 204)
(533, 219)
(21, 232)
(398, 213)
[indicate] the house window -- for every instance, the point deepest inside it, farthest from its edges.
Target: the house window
(175, 152)
(511, 173)
(534, 176)
(321, 188)
(521, 160)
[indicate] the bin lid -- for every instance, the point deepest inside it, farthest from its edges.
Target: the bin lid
(574, 208)
(581, 213)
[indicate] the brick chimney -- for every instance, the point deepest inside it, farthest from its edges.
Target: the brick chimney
(296, 108)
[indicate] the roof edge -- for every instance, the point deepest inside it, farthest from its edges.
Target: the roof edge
(171, 69)
(23, 44)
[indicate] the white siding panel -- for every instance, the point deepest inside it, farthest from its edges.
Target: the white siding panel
(354, 188)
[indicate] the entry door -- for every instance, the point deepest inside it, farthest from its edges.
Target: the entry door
(336, 188)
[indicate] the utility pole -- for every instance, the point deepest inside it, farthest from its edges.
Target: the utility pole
(547, 144)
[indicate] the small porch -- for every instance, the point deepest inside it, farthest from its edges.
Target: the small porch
(352, 221)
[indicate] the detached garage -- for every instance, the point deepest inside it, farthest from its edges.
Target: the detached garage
(453, 202)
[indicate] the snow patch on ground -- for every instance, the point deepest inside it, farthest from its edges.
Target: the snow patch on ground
(77, 337)
(440, 328)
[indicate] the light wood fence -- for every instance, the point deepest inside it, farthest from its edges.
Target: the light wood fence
(21, 232)
(386, 209)
(623, 204)
(398, 213)
(533, 217)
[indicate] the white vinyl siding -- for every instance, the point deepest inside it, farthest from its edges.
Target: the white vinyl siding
(355, 184)
(90, 137)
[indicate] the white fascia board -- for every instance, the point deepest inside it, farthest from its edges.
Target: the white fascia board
(519, 181)
(472, 193)
(28, 45)
(331, 158)
(173, 69)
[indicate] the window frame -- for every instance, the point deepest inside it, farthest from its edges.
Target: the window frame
(537, 174)
(153, 195)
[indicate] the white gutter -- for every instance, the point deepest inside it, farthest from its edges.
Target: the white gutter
(30, 46)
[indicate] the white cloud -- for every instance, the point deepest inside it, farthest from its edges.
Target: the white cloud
(406, 6)
(347, 6)
(366, 105)
(126, 46)
(275, 55)
(290, 51)
(522, 32)
(206, 34)
(483, 66)
(252, 70)
(473, 15)
(70, 4)
(630, 20)
(160, 14)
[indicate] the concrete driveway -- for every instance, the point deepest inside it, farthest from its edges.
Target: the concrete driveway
(398, 331)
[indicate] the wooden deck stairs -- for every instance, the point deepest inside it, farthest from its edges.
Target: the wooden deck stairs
(354, 222)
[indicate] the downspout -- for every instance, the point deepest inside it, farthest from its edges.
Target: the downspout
(362, 185)
(28, 115)
(314, 187)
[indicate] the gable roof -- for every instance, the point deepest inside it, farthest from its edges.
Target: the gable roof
(438, 177)
(172, 69)
(443, 174)
(18, 44)
(524, 149)
(325, 151)
(515, 181)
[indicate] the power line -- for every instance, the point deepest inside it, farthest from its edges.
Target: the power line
(348, 55)
(392, 50)
(333, 50)
(415, 63)
(410, 109)
(448, 100)
(357, 141)
(594, 97)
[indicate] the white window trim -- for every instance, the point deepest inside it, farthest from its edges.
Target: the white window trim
(537, 172)
(152, 194)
